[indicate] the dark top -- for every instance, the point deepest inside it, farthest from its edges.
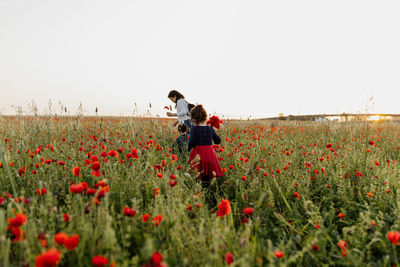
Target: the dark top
(182, 143)
(202, 136)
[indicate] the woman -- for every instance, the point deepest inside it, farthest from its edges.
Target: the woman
(182, 110)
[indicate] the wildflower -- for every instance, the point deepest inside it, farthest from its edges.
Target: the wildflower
(243, 178)
(248, 211)
(172, 183)
(18, 233)
(394, 237)
(214, 121)
(50, 258)
(76, 171)
(129, 212)
(341, 215)
(315, 247)
(229, 258)
(279, 254)
(90, 191)
(95, 168)
(77, 188)
(358, 174)
(343, 244)
(372, 143)
(18, 221)
(145, 217)
(157, 220)
(99, 261)
(41, 191)
(66, 217)
(296, 195)
(156, 259)
(224, 208)
(113, 153)
(60, 238)
(71, 242)
(22, 171)
(317, 226)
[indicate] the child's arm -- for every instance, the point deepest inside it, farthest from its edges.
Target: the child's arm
(192, 140)
(215, 137)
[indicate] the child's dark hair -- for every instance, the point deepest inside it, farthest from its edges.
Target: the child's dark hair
(176, 94)
(198, 114)
(182, 128)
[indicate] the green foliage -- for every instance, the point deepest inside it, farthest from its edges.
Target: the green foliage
(276, 161)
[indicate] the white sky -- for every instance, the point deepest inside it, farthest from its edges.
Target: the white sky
(237, 58)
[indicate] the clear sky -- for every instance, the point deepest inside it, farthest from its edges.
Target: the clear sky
(238, 58)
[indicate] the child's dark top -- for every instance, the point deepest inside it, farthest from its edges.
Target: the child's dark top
(202, 136)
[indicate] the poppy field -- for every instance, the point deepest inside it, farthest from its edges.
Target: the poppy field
(114, 192)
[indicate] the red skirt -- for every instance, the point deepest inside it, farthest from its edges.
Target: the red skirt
(205, 161)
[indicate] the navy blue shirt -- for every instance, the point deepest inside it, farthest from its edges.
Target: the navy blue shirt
(202, 136)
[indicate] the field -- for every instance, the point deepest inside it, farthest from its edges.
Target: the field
(111, 192)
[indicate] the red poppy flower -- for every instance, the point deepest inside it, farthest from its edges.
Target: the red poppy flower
(19, 220)
(76, 171)
(77, 188)
(214, 121)
(358, 174)
(71, 242)
(50, 258)
(129, 212)
(229, 258)
(99, 261)
(394, 237)
(248, 211)
(41, 191)
(279, 254)
(343, 244)
(157, 220)
(60, 238)
(156, 259)
(146, 217)
(66, 217)
(113, 153)
(224, 208)
(95, 168)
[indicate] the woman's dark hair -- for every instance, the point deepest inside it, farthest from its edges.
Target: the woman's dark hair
(182, 128)
(198, 114)
(176, 94)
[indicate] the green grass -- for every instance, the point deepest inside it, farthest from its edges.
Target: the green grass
(198, 237)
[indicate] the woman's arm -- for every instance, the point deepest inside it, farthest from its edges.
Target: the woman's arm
(170, 114)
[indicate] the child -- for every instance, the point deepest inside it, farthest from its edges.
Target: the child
(201, 138)
(182, 110)
(181, 143)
